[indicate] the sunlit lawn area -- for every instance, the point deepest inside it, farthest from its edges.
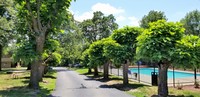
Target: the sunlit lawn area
(141, 90)
(17, 87)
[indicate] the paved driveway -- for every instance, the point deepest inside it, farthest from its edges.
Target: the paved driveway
(71, 84)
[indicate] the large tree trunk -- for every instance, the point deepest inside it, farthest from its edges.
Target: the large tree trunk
(1, 52)
(89, 70)
(34, 82)
(162, 82)
(96, 71)
(41, 72)
(125, 73)
(105, 71)
(29, 66)
(34, 79)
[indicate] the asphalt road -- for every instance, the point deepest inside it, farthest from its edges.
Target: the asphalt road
(71, 84)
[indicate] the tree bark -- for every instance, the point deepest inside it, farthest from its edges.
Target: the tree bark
(89, 71)
(96, 71)
(125, 73)
(41, 72)
(1, 52)
(34, 82)
(105, 71)
(118, 71)
(29, 67)
(162, 82)
(34, 79)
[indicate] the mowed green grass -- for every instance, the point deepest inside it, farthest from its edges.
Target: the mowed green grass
(141, 90)
(18, 87)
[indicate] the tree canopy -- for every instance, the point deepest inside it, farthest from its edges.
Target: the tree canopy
(127, 38)
(158, 44)
(98, 27)
(7, 16)
(152, 16)
(192, 22)
(188, 51)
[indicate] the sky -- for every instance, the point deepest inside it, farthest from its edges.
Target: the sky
(130, 12)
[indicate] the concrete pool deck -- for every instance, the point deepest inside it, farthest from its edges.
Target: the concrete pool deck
(145, 79)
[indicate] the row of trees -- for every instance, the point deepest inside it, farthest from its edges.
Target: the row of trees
(158, 41)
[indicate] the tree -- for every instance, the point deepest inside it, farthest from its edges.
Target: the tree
(102, 52)
(158, 44)
(98, 27)
(114, 52)
(110, 52)
(96, 57)
(41, 18)
(127, 38)
(7, 14)
(72, 46)
(188, 52)
(72, 42)
(192, 22)
(152, 16)
(85, 58)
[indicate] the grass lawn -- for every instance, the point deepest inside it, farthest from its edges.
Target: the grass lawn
(141, 90)
(17, 87)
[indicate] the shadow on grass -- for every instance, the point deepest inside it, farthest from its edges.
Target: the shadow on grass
(21, 91)
(90, 76)
(24, 91)
(116, 78)
(26, 77)
(86, 73)
(123, 87)
(3, 71)
(49, 76)
(44, 92)
(173, 96)
(110, 79)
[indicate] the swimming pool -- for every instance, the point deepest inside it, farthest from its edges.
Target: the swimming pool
(178, 74)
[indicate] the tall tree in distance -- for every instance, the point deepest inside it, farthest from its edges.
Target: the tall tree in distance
(72, 43)
(98, 27)
(152, 16)
(41, 17)
(192, 22)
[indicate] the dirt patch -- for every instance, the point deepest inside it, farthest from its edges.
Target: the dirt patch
(191, 88)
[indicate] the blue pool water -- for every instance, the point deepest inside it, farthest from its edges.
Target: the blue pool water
(178, 74)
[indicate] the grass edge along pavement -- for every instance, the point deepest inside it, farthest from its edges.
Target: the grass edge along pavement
(135, 88)
(17, 87)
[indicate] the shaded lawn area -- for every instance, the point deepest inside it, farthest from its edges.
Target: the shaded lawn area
(17, 87)
(135, 88)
